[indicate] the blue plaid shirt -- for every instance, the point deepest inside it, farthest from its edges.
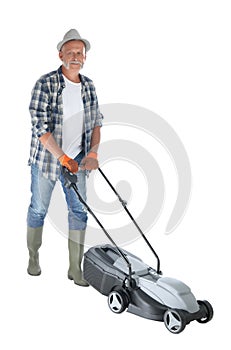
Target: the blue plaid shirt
(46, 109)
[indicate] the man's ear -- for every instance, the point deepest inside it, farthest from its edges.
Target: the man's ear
(61, 55)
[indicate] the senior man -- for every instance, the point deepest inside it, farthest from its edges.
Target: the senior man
(66, 123)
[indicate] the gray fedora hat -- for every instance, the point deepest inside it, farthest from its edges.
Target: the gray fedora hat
(73, 34)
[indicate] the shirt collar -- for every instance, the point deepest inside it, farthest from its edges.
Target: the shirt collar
(62, 82)
(61, 79)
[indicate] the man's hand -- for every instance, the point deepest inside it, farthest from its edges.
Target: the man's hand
(90, 162)
(69, 163)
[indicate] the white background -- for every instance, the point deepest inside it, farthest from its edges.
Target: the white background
(172, 57)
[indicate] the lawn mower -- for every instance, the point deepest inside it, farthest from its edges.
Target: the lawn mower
(132, 285)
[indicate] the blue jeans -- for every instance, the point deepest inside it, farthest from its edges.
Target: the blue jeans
(41, 189)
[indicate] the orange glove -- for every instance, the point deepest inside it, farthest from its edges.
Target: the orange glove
(92, 155)
(90, 162)
(69, 163)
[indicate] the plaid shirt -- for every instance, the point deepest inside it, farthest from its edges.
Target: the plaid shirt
(46, 109)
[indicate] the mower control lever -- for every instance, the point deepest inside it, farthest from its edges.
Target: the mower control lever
(69, 177)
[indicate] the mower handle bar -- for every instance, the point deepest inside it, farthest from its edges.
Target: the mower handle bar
(124, 204)
(72, 180)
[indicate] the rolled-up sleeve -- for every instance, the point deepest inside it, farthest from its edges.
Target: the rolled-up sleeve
(40, 109)
(98, 115)
(99, 118)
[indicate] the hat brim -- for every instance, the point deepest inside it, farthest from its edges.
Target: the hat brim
(85, 41)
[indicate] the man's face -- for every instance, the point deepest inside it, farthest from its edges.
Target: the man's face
(73, 55)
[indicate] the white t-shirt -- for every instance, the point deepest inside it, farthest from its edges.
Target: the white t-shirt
(72, 119)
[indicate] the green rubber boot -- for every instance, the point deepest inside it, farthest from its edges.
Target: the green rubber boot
(34, 241)
(76, 250)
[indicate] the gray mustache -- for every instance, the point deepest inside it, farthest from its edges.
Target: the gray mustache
(76, 62)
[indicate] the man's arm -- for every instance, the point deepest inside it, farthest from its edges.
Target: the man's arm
(39, 110)
(90, 162)
(51, 145)
(95, 139)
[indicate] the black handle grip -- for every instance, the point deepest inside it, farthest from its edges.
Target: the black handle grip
(68, 176)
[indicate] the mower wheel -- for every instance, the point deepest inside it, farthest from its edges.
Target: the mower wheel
(208, 311)
(117, 301)
(175, 320)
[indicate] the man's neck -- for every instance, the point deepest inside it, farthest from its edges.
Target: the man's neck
(71, 75)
